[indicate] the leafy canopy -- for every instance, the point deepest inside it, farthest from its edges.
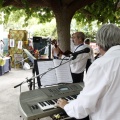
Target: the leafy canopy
(103, 11)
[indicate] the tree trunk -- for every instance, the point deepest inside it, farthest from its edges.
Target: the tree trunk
(63, 30)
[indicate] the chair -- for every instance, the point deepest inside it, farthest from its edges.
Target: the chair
(18, 59)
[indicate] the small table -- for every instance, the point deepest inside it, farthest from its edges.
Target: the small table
(6, 67)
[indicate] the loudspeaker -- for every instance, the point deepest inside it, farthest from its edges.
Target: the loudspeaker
(37, 39)
(39, 43)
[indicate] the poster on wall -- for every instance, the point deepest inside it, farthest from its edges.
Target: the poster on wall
(12, 43)
(20, 44)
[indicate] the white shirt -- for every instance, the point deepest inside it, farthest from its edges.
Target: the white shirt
(55, 51)
(31, 43)
(91, 54)
(100, 98)
(78, 65)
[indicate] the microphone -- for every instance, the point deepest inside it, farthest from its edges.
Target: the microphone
(75, 54)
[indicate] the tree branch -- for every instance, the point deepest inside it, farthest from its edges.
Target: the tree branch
(31, 3)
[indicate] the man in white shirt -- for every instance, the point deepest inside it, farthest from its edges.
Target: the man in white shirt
(100, 97)
(78, 65)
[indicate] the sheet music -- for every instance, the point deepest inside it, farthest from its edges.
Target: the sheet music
(50, 77)
(63, 72)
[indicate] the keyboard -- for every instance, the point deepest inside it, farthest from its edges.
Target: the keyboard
(39, 103)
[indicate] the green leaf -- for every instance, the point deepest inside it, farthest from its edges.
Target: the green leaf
(1, 3)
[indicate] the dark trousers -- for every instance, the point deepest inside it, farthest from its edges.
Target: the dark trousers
(88, 64)
(77, 77)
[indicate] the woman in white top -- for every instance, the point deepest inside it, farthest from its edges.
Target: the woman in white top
(56, 51)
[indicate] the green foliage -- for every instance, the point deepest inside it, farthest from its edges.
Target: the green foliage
(1, 2)
(105, 11)
(102, 11)
(46, 30)
(42, 14)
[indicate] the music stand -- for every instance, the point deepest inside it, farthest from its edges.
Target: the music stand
(34, 61)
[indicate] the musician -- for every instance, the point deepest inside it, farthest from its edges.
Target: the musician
(78, 65)
(100, 97)
(56, 51)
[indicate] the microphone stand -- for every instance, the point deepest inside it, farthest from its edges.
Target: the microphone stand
(28, 80)
(40, 75)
